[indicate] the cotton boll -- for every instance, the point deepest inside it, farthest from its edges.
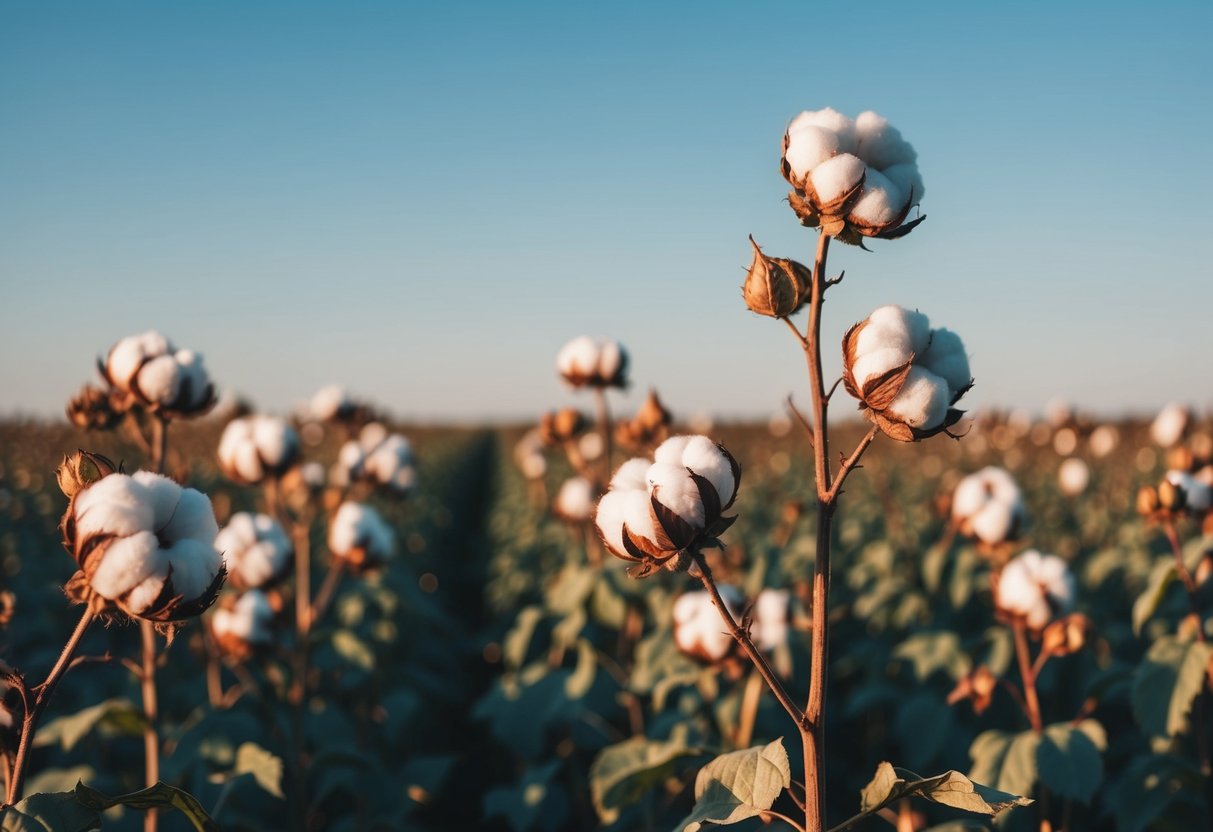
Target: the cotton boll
(831, 120)
(704, 457)
(632, 474)
(835, 178)
(329, 403)
(360, 536)
(878, 362)
(127, 562)
(611, 359)
(946, 358)
(671, 450)
(1198, 496)
(880, 202)
(908, 180)
(273, 438)
(610, 516)
(1169, 426)
(533, 466)
(577, 357)
(112, 506)
(575, 499)
(1103, 441)
(160, 379)
(126, 356)
(193, 377)
(994, 523)
(990, 503)
(699, 630)
(255, 548)
(879, 143)
(1036, 587)
(923, 400)
(808, 147)
(771, 609)
(895, 326)
(1073, 476)
(673, 488)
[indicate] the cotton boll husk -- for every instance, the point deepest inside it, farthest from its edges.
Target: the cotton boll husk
(127, 562)
(897, 327)
(703, 457)
(835, 177)
(879, 203)
(923, 400)
(631, 474)
(575, 499)
(160, 379)
(946, 358)
(673, 487)
(771, 618)
(1169, 425)
(879, 143)
(808, 147)
(1073, 476)
(671, 450)
(908, 180)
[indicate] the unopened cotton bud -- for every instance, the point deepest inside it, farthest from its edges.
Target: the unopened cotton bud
(773, 286)
(80, 470)
(559, 426)
(1066, 635)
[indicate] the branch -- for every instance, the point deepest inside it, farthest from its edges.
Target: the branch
(804, 420)
(849, 464)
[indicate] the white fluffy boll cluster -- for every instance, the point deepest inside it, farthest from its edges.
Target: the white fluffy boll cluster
(656, 509)
(253, 448)
(854, 177)
(988, 505)
(574, 501)
(161, 377)
(376, 456)
(700, 631)
(360, 537)
(255, 548)
(1036, 587)
(147, 545)
(246, 625)
(905, 374)
(584, 362)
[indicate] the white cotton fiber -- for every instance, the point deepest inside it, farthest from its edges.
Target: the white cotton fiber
(128, 354)
(578, 357)
(631, 474)
(673, 487)
(704, 457)
(830, 119)
(1169, 425)
(994, 523)
(894, 325)
(671, 450)
(575, 499)
(609, 517)
(638, 515)
(946, 358)
(908, 180)
(771, 609)
(878, 362)
(880, 202)
(923, 400)
(160, 379)
(127, 562)
(610, 359)
(879, 143)
(836, 177)
(112, 506)
(808, 147)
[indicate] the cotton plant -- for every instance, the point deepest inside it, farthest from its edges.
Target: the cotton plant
(852, 180)
(597, 365)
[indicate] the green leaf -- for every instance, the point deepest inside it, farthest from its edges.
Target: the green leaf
(52, 812)
(1006, 761)
(950, 789)
(265, 767)
(1148, 602)
(621, 774)
(1167, 682)
(159, 796)
(932, 652)
(354, 650)
(1069, 759)
(739, 785)
(517, 640)
(118, 716)
(580, 681)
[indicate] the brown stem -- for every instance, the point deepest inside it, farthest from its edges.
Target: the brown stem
(159, 444)
(750, 698)
(604, 427)
(151, 737)
(743, 638)
(297, 694)
(851, 463)
(33, 712)
(1027, 673)
(328, 589)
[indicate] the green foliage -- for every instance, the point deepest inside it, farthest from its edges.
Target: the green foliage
(80, 810)
(950, 788)
(624, 772)
(114, 717)
(1173, 673)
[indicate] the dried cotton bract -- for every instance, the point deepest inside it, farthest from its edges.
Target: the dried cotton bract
(144, 545)
(988, 505)
(659, 513)
(852, 178)
(1036, 588)
(253, 448)
(256, 550)
(244, 627)
(360, 537)
(906, 375)
(584, 362)
(148, 370)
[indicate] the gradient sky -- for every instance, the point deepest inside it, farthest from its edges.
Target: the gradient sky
(424, 201)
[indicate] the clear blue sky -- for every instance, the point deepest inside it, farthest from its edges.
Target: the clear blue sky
(423, 202)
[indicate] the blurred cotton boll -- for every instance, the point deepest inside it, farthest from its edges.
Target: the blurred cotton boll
(360, 538)
(245, 626)
(657, 513)
(255, 549)
(378, 457)
(1170, 424)
(1035, 588)
(574, 501)
(699, 631)
(256, 447)
(144, 545)
(584, 362)
(853, 178)
(1195, 495)
(988, 505)
(1073, 476)
(1103, 441)
(906, 375)
(151, 372)
(330, 403)
(772, 615)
